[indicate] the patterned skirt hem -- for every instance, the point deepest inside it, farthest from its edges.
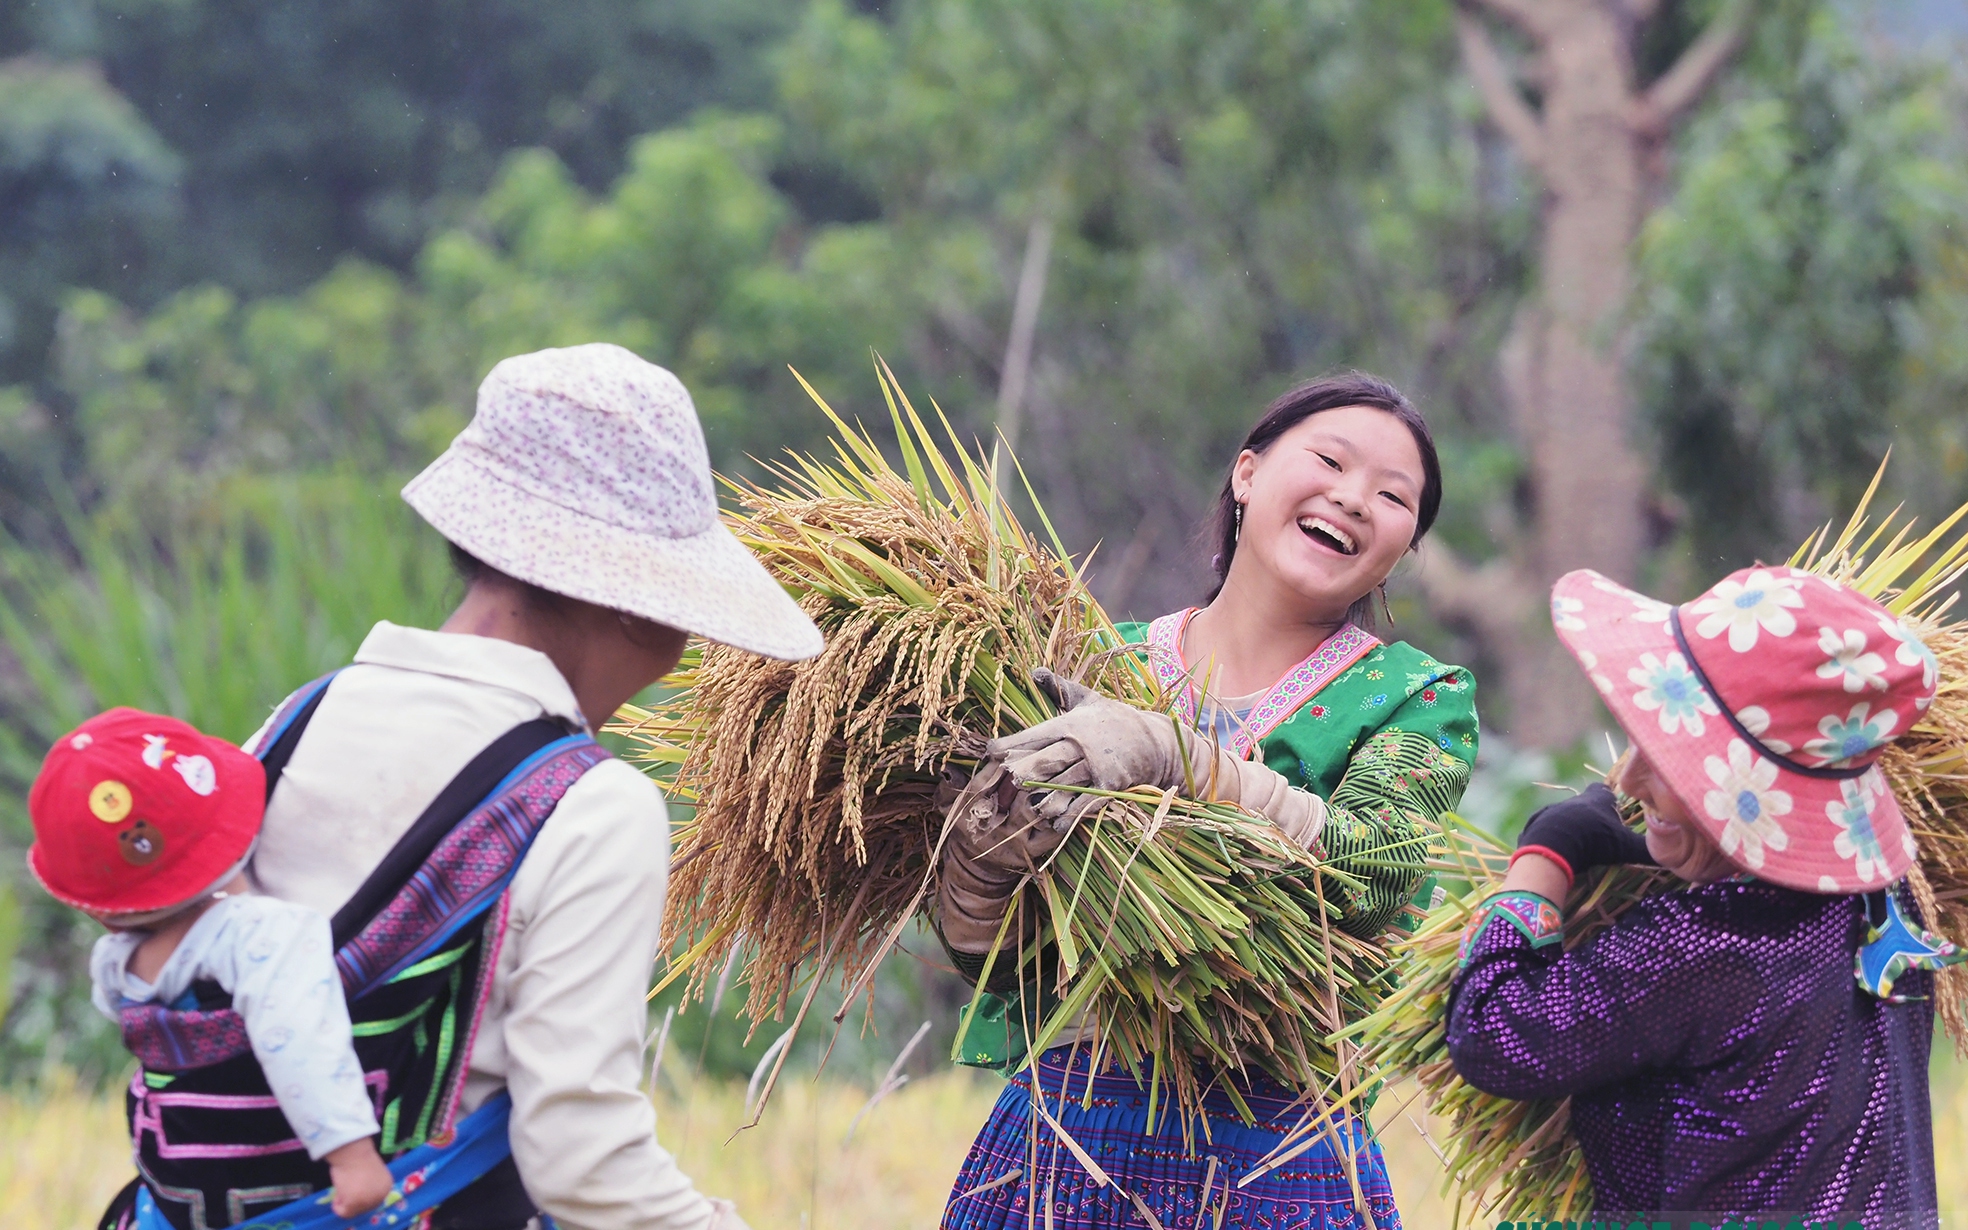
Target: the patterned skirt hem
(1025, 1170)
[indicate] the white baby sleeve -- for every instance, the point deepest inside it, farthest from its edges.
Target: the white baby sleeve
(278, 961)
(107, 971)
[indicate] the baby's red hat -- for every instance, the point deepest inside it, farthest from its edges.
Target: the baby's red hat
(134, 812)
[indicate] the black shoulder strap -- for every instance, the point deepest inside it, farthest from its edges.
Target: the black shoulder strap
(457, 800)
(277, 756)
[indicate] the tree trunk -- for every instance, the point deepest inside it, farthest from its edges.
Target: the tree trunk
(1563, 366)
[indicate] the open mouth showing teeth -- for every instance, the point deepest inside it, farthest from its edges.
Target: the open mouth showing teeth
(1326, 534)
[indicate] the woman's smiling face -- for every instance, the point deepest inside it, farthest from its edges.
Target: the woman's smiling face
(1330, 507)
(1674, 837)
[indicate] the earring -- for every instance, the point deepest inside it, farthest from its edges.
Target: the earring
(1237, 533)
(1386, 610)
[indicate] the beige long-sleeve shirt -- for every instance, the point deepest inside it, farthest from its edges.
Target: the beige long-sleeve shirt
(563, 1028)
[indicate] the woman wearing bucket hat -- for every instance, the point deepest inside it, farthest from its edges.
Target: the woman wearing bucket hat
(1756, 1045)
(579, 503)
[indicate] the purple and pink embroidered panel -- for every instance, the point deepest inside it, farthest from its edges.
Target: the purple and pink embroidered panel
(1299, 685)
(468, 869)
(148, 1116)
(164, 1040)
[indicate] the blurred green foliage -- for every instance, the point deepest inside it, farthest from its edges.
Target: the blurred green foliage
(87, 187)
(312, 129)
(10, 935)
(212, 614)
(1804, 290)
(371, 369)
(905, 993)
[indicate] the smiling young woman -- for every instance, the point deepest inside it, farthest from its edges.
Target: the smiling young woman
(1352, 745)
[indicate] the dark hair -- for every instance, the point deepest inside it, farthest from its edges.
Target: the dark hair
(471, 569)
(1296, 405)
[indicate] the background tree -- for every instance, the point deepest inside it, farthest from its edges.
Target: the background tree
(86, 188)
(1594, 145)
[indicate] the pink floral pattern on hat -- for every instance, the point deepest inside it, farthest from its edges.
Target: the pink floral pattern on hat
(1760, 602)
(1764, 705)
(1746, 801)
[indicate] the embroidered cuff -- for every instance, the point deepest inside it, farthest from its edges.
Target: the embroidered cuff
(1537, 919)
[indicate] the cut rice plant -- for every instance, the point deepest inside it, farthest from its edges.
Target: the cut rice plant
(1508, 1154)
(1194, 934)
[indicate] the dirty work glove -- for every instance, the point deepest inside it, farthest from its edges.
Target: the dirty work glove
(1107, 745)
(994, 841)
(1094, 741)
(1583, 832)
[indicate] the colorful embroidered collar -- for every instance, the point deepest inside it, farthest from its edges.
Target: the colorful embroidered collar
(1299, 685)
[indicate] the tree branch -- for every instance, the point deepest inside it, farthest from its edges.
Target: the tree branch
(1534, 18)
(1507, 108)
(1684, 84)
(1024, 326)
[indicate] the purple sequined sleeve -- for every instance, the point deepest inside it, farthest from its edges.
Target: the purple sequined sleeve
(1527, 1022)
(1717, 1052)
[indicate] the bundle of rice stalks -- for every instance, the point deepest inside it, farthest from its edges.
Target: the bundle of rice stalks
(1194, 934)
(1505, 1154)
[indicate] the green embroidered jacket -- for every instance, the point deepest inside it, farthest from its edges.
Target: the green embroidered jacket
(1383, 732)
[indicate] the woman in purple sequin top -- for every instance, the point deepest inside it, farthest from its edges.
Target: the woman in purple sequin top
(1721, 1056)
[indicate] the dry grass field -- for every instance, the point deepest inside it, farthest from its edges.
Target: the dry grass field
(62, 1153)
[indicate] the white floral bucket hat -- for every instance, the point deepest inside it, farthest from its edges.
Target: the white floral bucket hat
(584, 472)
(1764, 705)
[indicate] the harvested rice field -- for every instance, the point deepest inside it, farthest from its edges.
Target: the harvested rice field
(62, 1152)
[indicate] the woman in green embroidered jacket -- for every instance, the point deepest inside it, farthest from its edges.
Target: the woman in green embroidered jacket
(1354, 746)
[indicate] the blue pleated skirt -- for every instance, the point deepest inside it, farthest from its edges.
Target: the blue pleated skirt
(1160, 1171)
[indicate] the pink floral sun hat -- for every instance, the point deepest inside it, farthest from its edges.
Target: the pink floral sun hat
(584, 472)
(1764, 705)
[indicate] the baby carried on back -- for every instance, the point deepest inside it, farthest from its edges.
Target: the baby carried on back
(264, 1093)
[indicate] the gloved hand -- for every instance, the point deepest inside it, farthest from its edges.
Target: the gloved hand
(1107, 745)
(1583, 832)
(1093, 741)
(995, 840)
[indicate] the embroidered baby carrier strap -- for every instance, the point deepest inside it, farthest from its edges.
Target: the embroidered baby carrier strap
(416, 945)
(1286, 697)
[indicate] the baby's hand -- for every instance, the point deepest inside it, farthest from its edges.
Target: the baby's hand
(361, 1180)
